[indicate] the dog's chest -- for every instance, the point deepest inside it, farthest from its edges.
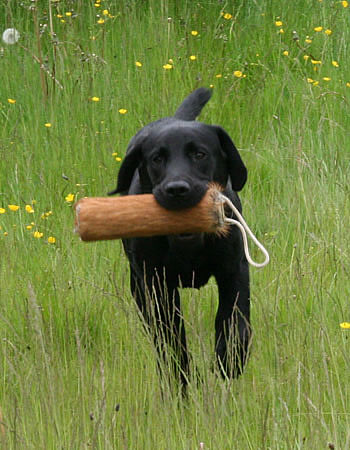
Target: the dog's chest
(189, 262)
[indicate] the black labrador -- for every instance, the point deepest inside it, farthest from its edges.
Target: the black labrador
(175, 158)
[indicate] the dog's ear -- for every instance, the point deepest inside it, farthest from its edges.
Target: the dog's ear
(236, 168)
(130, 163)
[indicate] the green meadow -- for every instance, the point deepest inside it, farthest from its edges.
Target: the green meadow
(77, 369)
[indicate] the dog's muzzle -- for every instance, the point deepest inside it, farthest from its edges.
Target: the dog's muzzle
(179, 194)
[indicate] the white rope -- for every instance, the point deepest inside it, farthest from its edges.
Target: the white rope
(242, 225)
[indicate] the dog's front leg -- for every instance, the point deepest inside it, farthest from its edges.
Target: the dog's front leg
(232, 323)
(159, 304)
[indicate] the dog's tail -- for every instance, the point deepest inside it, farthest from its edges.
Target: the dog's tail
(191, 107)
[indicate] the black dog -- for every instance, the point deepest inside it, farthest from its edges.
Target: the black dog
(175, 158)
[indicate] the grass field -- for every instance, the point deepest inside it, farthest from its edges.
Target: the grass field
(77, 370)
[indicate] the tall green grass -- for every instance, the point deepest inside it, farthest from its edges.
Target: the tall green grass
(77, 369)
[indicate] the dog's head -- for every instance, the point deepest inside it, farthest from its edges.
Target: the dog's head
(177, 159)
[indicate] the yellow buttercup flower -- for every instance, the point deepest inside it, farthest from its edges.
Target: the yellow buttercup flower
(101, 21)
(238, 73)
(348, 84)
(46, 215)
(122, 111)
(328, 32)
(29, 227)
(310, 80)
(278, 23)
(69, 198)
(308, 41)
(318, 29)
(316, 62)
(2, 210)
(285, 53)
(51, 240)
(29, 209)
(68, 13)
(335, 63)
(138, 64)
(13, 207)
(11, 101)
(194, 33)
(345, 4)
(38, 234)
(95, 99)
(345, 325)
(167, 66)
(105, 12)
(48, 125)
(227, 16)
(117, 158)
(306, 57)
(326, 78)
(193, 57)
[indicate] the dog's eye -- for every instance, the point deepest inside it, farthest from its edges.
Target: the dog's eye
(197, 155)
(158, 158)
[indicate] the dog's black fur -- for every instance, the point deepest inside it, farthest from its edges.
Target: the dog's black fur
(175, 158)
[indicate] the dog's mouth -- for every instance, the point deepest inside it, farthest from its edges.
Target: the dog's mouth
(176, 204)
(179, 201)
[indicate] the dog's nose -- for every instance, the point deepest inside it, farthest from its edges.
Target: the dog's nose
(177, 188)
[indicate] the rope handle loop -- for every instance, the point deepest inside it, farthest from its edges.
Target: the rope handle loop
(242, 225)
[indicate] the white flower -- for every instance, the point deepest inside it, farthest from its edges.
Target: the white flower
(10, 36)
